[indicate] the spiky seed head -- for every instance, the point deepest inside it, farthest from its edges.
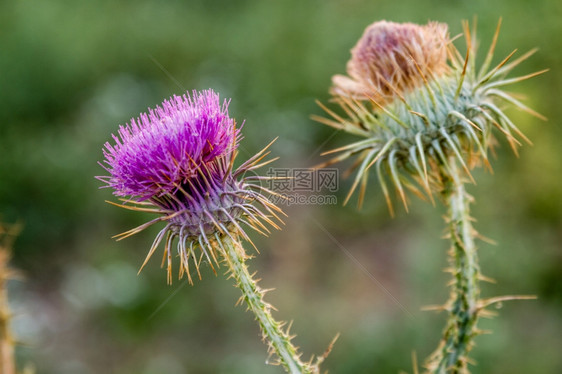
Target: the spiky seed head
(393, 57)
(177, 162)
(420, 105)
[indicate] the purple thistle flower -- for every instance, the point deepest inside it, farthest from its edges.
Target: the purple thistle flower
(177, 162)
(164, 148)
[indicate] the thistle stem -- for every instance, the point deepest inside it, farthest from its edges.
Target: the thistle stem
(7, 364)
(279, 340)
(451, 355)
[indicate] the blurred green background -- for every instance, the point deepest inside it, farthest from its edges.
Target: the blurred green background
(72, 71)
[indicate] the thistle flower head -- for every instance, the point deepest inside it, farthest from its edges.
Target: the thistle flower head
(167, 146)
(393, 57)
(177, 162)
(420, 105)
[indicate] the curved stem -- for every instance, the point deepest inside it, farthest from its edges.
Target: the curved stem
(279, 340)
(463, 304)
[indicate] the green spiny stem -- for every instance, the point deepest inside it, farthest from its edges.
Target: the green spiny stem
(451, 355)
(278, 339)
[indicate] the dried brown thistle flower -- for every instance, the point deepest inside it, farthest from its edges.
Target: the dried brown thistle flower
(392, 57)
